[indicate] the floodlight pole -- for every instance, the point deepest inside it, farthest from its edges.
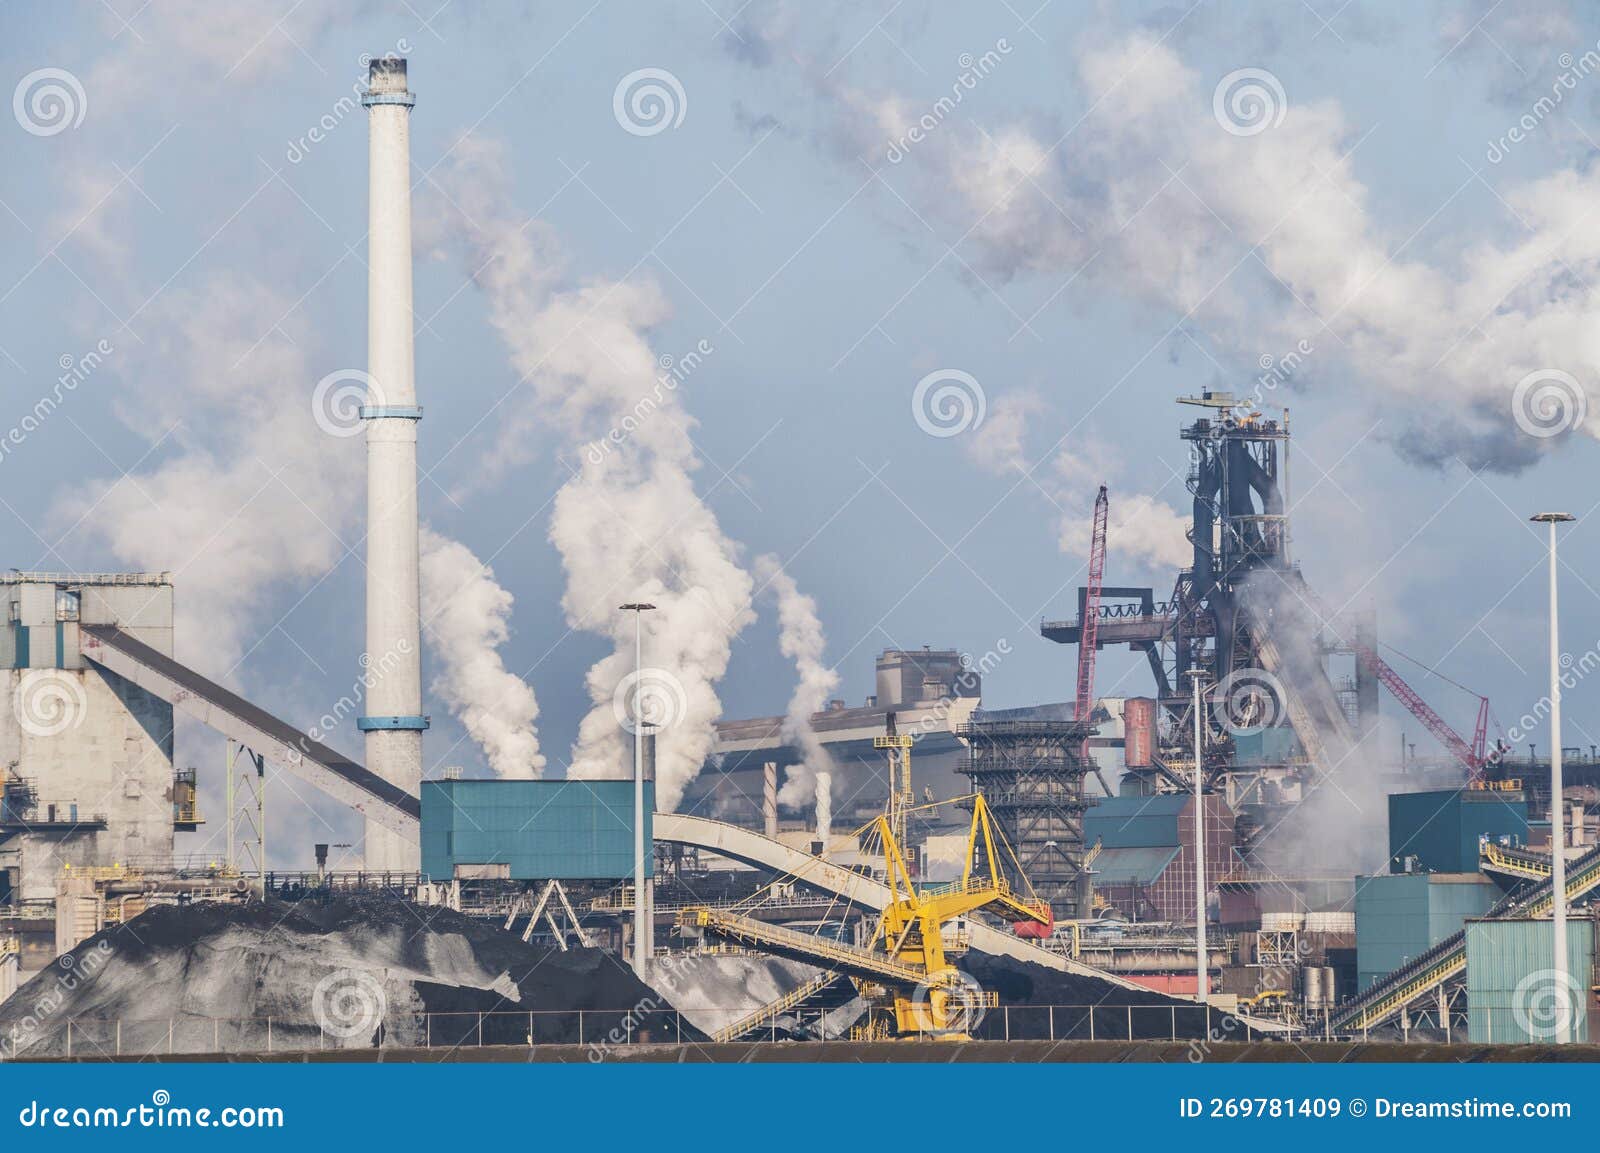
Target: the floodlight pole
(641, 935)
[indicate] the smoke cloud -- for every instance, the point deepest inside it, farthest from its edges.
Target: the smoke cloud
(628, 523)
(1141, 529)
(801, 639)
(243, 489)
(465, 616)
(1262, 237)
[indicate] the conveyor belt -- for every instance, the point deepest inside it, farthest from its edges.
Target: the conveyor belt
(1448, 959)
(230, 714)
(811, 948)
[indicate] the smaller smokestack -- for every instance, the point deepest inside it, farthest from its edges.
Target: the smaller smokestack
(769, 798)
(824, 810)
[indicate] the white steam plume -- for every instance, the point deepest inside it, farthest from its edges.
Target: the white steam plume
(243, 490)
(824, 808)
(1142, 529)
(628, 524)
(1267, 242)
(800, 638)
(465, 615)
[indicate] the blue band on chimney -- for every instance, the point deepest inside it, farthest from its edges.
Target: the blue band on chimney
(399, 411)
(377, 724)
(371, 98)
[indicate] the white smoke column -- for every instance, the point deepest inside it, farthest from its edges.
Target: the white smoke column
(824, 809)
(243, 490)
(466, 614)
(628, 524)
(800, 638)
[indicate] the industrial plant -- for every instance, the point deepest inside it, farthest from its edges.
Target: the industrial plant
(1165, 865)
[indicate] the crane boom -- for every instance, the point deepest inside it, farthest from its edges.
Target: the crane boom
(1091, 608)
(1470, 756)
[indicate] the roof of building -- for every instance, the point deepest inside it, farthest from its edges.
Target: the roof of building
(1135, 822)
(1132, 866)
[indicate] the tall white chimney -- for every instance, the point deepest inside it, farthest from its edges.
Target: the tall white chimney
(394, 723)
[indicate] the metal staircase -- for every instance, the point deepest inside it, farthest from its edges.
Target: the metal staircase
(771, 1012)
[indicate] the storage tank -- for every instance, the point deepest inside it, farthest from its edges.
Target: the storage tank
(1312, 975)
(1139, 731)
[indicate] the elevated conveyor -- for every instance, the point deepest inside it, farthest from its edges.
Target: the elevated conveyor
(230, 714)
(814, 949)
(753, 849)
(1523, 864)
(1447, 960)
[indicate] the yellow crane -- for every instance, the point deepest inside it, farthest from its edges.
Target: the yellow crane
(912, 928)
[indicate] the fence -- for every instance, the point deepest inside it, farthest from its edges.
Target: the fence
(600, 1030)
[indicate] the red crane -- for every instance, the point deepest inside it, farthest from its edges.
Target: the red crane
(1471, 756)
(1089, 625)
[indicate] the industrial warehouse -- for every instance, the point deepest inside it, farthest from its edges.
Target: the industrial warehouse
(1195, 839)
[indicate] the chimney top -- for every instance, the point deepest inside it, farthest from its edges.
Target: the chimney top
(387, 74)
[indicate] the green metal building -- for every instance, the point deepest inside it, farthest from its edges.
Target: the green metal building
(1441, 828)
(532, 830)
(1511, 990)
(1401, 916)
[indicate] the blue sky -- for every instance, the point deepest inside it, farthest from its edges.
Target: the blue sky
(828, 281)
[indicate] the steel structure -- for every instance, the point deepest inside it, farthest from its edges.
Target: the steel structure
(1031, 774)
(904, 971)
(1231, 614)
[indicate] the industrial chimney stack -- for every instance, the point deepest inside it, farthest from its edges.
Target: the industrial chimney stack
(395, 723)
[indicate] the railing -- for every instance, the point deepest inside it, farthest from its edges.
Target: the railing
(600, 1030)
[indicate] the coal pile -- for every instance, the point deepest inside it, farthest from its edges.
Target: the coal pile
(1038, 1003)
(356, 972)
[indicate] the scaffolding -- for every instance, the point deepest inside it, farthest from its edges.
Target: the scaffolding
(1031, 776)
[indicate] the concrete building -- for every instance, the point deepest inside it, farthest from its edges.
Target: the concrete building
(86, 755)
